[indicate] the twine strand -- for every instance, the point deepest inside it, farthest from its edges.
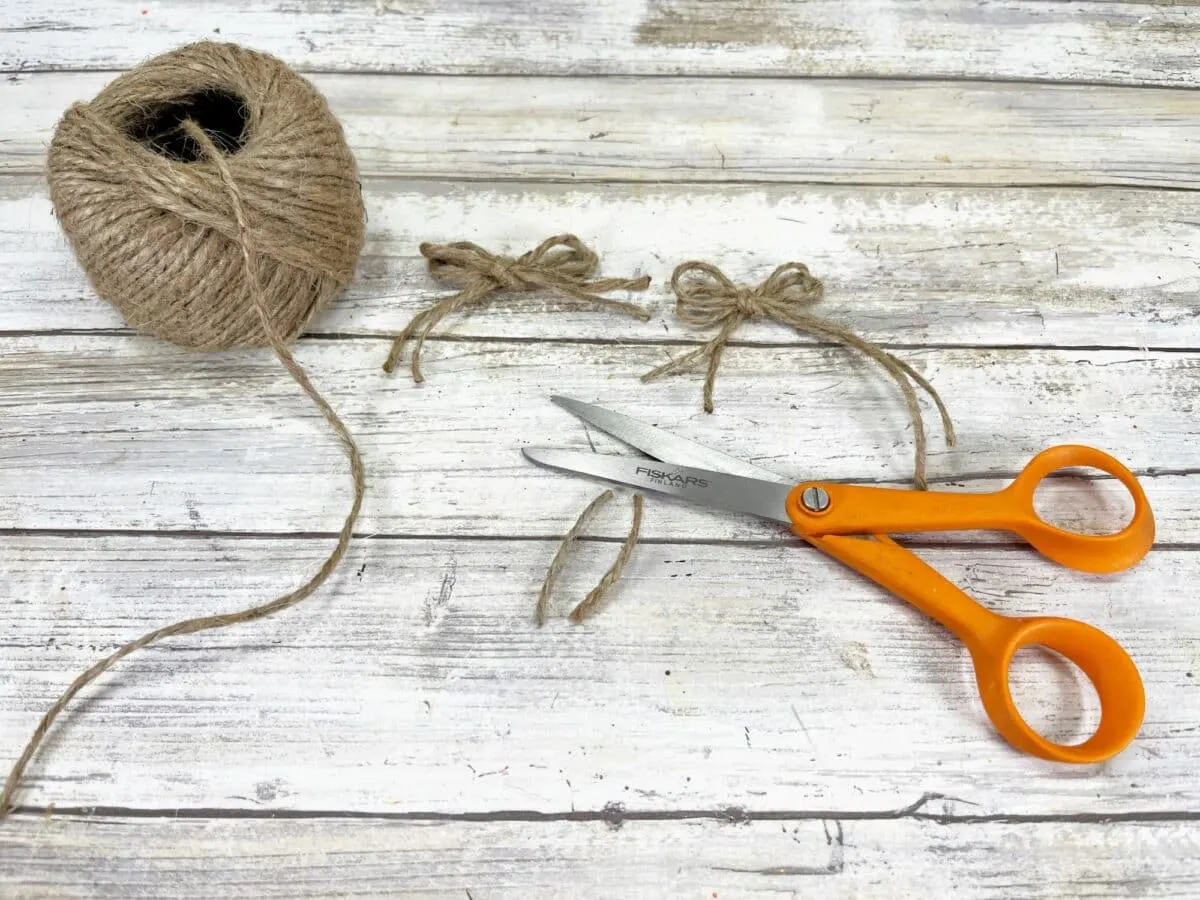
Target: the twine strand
(560, 555)
(562, 265)
(705, 297)
(595, 596)
(205, 623)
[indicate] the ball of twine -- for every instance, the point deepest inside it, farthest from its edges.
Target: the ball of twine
(152, 217)
(210, 196)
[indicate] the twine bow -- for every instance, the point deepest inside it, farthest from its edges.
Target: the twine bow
(707, 298)
(562, 264)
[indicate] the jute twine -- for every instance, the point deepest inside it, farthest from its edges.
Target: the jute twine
(212, 232)
(705, 297)
(595, 596)
(562, 265)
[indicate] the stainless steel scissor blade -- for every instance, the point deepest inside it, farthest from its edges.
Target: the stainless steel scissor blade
(751, 490)
(729, 492)
(662, 445)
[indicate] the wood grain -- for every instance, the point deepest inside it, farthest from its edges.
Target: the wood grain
(1059, 40)
(904, 266)
(1003, 193)
(87, 857)
(739, 129)
(763, 678)
(114, 432)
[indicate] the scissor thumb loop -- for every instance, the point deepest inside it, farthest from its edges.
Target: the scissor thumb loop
(1113, 674)
(1096, 553)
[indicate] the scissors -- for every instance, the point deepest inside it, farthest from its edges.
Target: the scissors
(852, 523)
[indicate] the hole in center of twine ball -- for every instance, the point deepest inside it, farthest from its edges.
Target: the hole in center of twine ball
(220, 114)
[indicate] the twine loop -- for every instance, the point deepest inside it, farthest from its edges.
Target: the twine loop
(707, 298)
(562, 264)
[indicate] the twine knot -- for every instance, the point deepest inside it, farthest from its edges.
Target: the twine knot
(562, 264)
(746, 302)
(705, 297)
(507, 275)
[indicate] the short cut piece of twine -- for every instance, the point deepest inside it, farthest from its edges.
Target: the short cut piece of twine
(705, 297)
(205, 623)
(562, 265)
(595, 597)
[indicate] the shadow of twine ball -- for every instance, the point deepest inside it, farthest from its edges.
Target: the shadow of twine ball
(153, 224)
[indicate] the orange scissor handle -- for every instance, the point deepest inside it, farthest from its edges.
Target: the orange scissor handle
(993, 640)
(1110, 669)
(872, 510)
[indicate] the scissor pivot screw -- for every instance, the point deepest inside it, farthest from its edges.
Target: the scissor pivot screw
(815, 499)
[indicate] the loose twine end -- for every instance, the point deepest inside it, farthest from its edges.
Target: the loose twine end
(205, 623)
(705, 297)
(561, 265)
(588, 606)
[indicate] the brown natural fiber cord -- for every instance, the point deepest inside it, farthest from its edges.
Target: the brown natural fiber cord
(705, 297)
(592, 601)
(560, 555)
(210, 240)
(562, 265)
(154, 225)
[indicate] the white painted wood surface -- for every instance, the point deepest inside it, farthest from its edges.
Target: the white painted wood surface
(596, 860)
(1004, 194)
(111, 410)
(734, 130)
(1134, 42)
(908, 266)
(739, 674)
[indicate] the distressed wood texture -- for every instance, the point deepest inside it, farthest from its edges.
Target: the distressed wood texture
(77, 857)
(905, 266)
(763, 678)
(1004, 194)
(1068, 40)
(128, 433)
(741, 129)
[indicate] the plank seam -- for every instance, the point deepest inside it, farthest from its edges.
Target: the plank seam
(24, 69)
(615, 815)
(20, 172)
(343, 336)
(265, 536)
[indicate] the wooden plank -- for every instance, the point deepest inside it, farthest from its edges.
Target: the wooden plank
(901, 265)
(101, 856)
(719, 130)
(758, 678)
(115, 432)
(1062, 40)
